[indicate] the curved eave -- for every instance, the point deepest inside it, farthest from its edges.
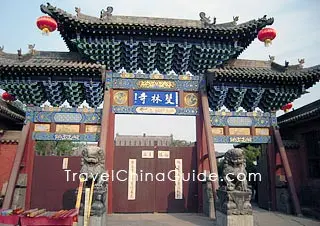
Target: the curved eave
(70, 26)
(265, 76)
(6, 112)
(300, 115)
(56, 65)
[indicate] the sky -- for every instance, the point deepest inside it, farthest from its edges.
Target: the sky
(296, 22)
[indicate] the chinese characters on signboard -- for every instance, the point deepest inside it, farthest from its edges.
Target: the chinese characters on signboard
(178, 179)
(147, 154)
(132, 182)
(240, 139)
(156, 98)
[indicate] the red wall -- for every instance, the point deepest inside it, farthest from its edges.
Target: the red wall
(50, 188)
(7, 155)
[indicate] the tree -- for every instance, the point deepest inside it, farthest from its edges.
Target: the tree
(251, 152)
(58, 148)
(181, 143)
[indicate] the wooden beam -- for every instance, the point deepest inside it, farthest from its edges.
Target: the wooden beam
(210, 145)
(16, 166)
(288, 172)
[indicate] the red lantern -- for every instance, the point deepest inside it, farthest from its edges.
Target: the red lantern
(46, 24)
(287, 107)
(8, 97)
(266, 35)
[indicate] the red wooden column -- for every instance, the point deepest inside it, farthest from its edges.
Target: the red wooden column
(29, 153)
(288, 172)
(199, 126)
(271, 152)
(104, 135)
(110, 158)
(16, 166)
(202, 153)
(209, 139)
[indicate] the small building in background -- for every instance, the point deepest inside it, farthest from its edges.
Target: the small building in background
(143, 140)
(300, 130)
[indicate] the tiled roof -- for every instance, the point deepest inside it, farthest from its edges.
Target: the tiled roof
(155, 30)
(148, 21)
(251, 84)
(303, 114)
(265, 73)
(36, 77)
(11, 112)
(50, 64)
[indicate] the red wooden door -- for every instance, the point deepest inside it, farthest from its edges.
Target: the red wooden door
(144, 190)
(50, 188)
(154, 191)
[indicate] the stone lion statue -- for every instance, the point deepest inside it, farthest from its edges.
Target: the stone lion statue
(234, 170)
(93, 163)
(93, 166)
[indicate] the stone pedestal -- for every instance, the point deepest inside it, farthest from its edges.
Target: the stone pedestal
(233, 208)
(98, 207)
(94, 220)
(208, 200)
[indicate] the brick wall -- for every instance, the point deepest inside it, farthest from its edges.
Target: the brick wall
(7, 155)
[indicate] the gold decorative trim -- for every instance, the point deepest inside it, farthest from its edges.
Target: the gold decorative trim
(262, 132)
(239, 131)
(217, 131)
(93, 129)
(157, 76)
(127, 75)
(120, 97)
(67, 128)
(156, 110)
(184, 77)
(147, 84)
(42, 127)
(190, 99)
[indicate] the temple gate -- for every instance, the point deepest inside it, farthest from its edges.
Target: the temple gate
(190, 65)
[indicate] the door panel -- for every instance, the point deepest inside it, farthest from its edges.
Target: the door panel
(152, 195)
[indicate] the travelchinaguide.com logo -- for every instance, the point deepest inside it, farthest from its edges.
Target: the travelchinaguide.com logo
(172, 175)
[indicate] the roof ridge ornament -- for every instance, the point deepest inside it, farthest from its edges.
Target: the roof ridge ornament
(1, 49)
(206, 20)
(272, 58)
(106, 14)
(19, 53)
(301, 62)
(77, 10)
(31, 48)
(235, 19)
(286, 64)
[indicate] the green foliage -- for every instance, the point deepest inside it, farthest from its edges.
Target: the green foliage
(181, 143)
(251, 153)
(57, 148)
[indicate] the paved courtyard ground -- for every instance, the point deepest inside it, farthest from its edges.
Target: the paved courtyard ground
(261, 218)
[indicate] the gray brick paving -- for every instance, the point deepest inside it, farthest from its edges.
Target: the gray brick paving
(261, 218)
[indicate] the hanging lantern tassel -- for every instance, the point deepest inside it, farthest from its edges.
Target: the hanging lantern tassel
(266, 35)
(46, 24)
(267, 42)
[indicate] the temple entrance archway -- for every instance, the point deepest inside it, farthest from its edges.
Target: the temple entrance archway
(154, 156)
